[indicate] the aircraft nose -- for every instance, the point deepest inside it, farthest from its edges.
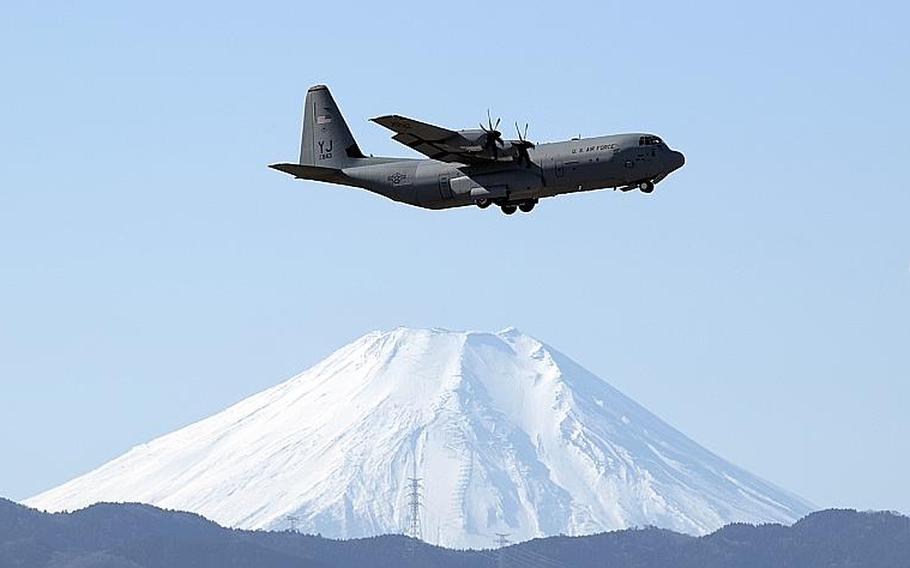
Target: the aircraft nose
(677, 160)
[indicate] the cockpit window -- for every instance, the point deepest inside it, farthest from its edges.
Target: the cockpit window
(649, 141)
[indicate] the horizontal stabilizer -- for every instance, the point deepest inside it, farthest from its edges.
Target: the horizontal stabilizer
(310, 172)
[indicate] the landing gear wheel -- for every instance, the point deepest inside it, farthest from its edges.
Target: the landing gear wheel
(527, 206)
(508, 209)
(482, 203)
(646, 187)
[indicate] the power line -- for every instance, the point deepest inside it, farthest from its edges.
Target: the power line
(531, 558)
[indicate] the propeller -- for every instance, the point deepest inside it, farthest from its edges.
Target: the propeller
(523, 145)
(494, 136)
(522, 137)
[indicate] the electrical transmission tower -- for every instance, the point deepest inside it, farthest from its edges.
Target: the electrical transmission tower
(414, 504)
(292, 522)
(502, 541)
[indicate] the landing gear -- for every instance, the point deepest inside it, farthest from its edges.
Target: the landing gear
(510, 208)
(482, 203)
(646, 186)
(527, 206)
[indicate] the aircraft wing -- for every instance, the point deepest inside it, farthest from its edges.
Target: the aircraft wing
(435, 142)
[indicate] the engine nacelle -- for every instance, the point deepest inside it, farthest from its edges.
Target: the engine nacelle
(473, 136)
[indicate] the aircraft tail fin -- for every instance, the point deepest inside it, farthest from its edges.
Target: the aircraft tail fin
(326, 141)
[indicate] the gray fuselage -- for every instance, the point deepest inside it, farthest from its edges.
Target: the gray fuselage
(583, 164)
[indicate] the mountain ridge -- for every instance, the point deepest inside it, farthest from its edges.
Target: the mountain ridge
(144, 536)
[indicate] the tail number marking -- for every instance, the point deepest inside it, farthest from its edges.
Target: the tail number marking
(325, 149)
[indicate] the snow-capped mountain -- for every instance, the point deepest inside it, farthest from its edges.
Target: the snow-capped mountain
(507, 434)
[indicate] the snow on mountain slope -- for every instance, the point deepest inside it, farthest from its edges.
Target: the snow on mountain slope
(508, 434)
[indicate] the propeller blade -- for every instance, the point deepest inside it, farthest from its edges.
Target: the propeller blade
(522, 136)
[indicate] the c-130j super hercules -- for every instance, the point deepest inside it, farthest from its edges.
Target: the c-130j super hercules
(473, 167)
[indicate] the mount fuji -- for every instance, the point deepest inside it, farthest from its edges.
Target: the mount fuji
(507, 434)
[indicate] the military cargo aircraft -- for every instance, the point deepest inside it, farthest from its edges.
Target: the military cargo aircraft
(473, 167)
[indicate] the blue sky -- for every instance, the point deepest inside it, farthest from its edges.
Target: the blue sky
(154, 270)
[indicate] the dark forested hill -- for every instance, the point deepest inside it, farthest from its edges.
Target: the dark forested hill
(133, 536)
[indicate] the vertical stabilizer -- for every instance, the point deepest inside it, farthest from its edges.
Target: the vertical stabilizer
(326, 140)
